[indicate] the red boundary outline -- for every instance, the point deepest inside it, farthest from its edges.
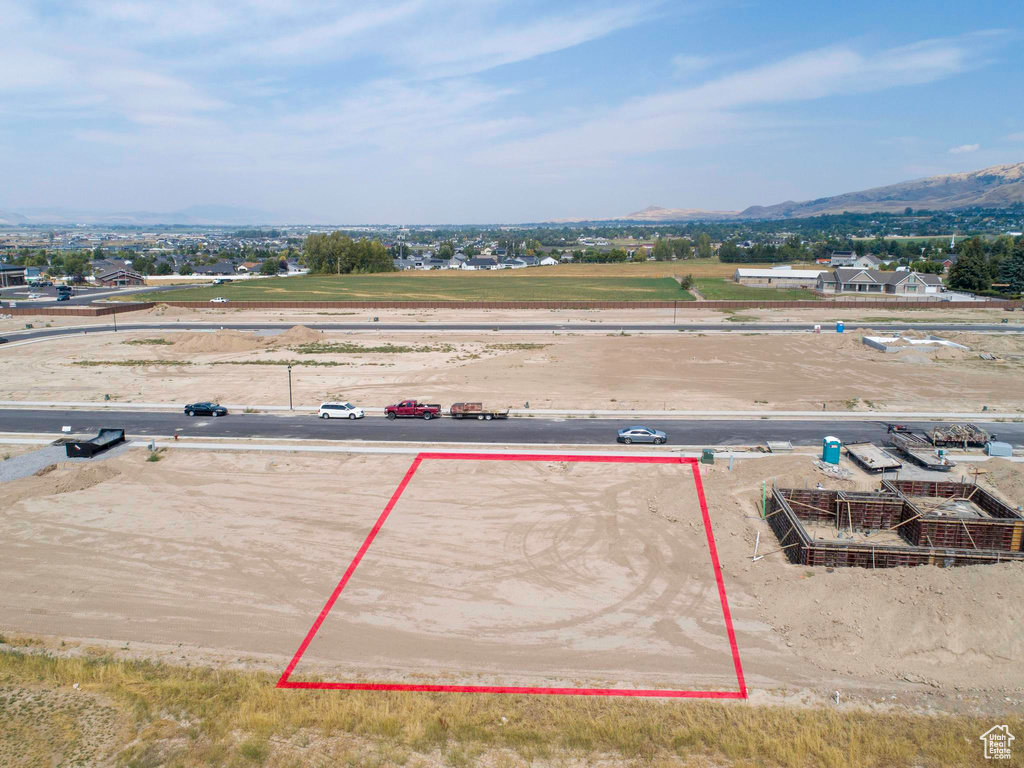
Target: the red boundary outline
(286, 682)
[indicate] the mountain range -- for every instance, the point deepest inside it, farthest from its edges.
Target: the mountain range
(995, 187)
(199, 215)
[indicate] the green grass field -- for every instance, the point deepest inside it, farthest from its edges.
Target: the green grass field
(717, 289)
(522, 285)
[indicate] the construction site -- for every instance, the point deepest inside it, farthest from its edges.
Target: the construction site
(903, 523)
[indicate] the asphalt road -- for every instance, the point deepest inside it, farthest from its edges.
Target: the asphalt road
(40, 333)
(82, 294)
(517, 430)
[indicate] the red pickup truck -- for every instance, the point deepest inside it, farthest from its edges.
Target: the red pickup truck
(410, 409)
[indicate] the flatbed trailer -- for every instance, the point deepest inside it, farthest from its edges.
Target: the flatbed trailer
(959, 436)
(84, 449)
(476, 411)
(872, 458)
(920, 451)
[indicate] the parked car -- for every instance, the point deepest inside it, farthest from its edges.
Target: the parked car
(219, 300)
(340, 411)
(63, 297)
(205, 409)
(44, 284)
(35, 295)
(410, 409)
(641, 435)
(4, 339)
(221, 281)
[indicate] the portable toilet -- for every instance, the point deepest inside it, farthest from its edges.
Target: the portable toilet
(840, 326)
(830, 450)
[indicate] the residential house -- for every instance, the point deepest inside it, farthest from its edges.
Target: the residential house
(248, 266)
(480, 263)
(851, 259)
(512, 263)
(220, 268)
(852, 280)
(548, 261)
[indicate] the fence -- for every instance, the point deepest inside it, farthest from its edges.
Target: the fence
(666, 304)
(86, 310)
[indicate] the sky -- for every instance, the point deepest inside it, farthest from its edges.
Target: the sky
(495, 111)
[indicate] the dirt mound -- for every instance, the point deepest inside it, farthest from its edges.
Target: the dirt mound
(218, 341)
(995, 343)
(164, 310)
(61, 478)
(298, 334)
(1007, 478)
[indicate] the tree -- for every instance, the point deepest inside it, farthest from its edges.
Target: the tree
(682, 249)
(446, 251)
(662, 251)
(97, 253)
(75, 267)
(270, 266)
(704, 246)
(1012, 268)
(730, 253)
(164, 268)
(341, 255)
(185, 269)
(970, 273)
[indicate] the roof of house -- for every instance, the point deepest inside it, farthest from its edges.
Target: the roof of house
(847, 274)
(483, 262)
(804, 274)
(120, 271)
(220, 268)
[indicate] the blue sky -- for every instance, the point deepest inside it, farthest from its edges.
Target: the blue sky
(442, 111)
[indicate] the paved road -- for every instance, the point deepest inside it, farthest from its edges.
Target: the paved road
(519, 430)
(568, 327)
(82, 295)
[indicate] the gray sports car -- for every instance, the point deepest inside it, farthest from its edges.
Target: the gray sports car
(641, 435)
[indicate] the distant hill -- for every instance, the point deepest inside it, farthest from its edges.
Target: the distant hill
(209, 215)
(10, 217)
(654, 213)
(995, 187)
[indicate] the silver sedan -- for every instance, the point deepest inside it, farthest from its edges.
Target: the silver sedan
(641, 435)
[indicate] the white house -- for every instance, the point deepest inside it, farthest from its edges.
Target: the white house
(548, 261)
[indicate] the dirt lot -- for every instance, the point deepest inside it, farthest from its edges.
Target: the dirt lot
(817, 314)
(574, 574)
(524, 573)
(556, 370)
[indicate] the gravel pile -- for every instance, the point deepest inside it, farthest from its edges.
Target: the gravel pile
(29, 463)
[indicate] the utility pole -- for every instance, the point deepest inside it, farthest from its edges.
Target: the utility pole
(290, 388)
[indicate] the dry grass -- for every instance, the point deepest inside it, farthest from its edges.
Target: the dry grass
(195, 716)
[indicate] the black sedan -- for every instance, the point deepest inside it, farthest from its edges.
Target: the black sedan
(205, 409)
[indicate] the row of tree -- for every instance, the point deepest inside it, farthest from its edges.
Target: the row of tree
(339, 254)
(984, 266)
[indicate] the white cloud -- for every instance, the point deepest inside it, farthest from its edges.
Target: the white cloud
(963, 149)
(1016, 136)
(719, 109)
(683, 64)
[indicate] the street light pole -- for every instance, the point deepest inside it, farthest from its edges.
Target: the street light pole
(290, 388)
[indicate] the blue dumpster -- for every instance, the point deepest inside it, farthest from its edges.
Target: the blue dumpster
(830, 450)
(840, 327)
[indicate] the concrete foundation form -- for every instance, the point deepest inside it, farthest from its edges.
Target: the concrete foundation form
(937, 523)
